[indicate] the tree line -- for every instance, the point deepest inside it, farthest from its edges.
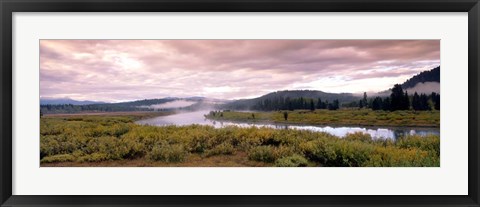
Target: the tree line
(70, 108)
(295, 104)
(398, 100)
(106, 107)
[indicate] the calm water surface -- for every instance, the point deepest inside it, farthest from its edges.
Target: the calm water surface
(197, 117)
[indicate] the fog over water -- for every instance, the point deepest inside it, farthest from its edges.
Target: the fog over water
(197, 117)
(172, 104)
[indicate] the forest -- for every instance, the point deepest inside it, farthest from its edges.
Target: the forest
(105, 107)
(398, 100)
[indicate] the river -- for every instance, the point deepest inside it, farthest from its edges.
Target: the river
(197, 117)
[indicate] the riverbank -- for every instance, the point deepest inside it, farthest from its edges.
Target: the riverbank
(343, 117)
(115, 140)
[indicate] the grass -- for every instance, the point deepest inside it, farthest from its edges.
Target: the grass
(352, 117)
(115, 140)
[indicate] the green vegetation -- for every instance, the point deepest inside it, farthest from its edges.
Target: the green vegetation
(292, 161)
(352, 117)
(115, 140)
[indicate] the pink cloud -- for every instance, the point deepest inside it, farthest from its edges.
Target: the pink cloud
(110, 70)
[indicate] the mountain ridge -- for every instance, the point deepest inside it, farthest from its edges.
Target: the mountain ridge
(432, 75)
(59, 101)
(247, 104)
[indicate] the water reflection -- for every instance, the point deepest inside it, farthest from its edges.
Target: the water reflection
(197, 117)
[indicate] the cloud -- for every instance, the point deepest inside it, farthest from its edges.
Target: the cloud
(113, 70)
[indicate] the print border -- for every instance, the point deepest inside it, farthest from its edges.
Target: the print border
(7, 7)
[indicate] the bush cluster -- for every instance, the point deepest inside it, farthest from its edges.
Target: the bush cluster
(292, 161)
(95, 139)
(167, 153)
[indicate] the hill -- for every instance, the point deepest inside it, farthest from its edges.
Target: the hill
(424, 82)
(432, 75)
(56, 101)
(62, 107)
(279, 98)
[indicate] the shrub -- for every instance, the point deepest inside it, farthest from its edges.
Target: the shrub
(58, 158)
(199, 140)
(110, 146)
(283, 151)
(262, 154)
(94, 157)
(78, 153)
(358, 136)
(292, 161)
(168, 153)
(221, 149)
(96, 138)
(118, 129)
(337, 152)
(390, 156)
(428, 143)
(319, 151)
(351, 154)
(269, 153)
(132, 148)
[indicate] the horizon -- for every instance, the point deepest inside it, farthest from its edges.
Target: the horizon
(360, 94)
(127, 70)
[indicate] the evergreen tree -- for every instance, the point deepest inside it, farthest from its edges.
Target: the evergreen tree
(365, 99)
(386, 104)
(436, 100)
(319, 103)
(369, 104)
(334, 105)
(397, 99)
(406, 102)
(416, 102)
(302, 103)
(312, 105)
(424, 103)
(377, 103)
(288, 102)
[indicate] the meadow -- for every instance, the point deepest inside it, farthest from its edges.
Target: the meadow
(115, 140)
(344, 117)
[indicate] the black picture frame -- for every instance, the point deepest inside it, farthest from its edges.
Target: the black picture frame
(7, 7)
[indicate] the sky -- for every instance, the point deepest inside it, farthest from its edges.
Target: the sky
(124, 70)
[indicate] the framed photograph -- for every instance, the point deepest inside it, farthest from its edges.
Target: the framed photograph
(239, 103)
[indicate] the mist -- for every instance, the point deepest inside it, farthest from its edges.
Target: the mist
(426, 87)
(173, 104)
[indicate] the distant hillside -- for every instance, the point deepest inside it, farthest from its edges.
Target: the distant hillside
(425, 76)
(281, 96)
(62, 107)
(56, 101)
(424, 82)
(145, 102)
